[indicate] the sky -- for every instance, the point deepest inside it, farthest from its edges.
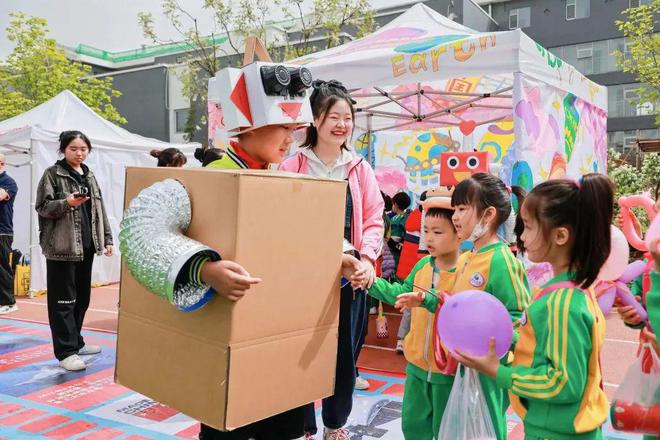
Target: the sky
(107, 24)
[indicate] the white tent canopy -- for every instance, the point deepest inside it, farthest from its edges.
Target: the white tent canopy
(425, 85)
(30, 142)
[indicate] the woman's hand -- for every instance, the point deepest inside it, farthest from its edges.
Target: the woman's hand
(408, 301)
(109, 250)
(229, 279)
(487, 364)
(370, 271)
(353, 271)
(74, 202)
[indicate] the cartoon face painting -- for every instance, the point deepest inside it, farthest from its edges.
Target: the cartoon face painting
(456, 167)
(424, 156)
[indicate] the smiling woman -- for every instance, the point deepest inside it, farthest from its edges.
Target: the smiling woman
(326, 153)
(73, 226)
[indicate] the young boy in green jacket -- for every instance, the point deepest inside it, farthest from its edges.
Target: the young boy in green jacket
(427, 388)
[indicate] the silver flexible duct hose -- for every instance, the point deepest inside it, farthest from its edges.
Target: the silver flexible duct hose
(154, 248)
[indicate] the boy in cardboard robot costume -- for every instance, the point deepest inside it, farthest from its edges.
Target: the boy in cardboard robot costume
(263, 103)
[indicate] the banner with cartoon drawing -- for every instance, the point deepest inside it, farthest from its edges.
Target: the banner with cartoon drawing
(410, 160)
(556, 135)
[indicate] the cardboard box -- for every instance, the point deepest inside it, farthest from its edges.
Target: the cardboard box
(230, 364)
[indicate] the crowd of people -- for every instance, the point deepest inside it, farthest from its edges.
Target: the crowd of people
(395, 253)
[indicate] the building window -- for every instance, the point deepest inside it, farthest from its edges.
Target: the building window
(519, 18)
(577, 9)
(636, 3)
(623, 102)
(181, 117)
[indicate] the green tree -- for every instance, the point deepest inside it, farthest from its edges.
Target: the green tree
(300, 32)
(630, 181)
(644, 45)
(36, 70)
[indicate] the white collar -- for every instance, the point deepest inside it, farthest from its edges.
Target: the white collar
(344, 158)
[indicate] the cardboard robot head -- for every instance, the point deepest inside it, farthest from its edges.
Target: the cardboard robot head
(456, 167)
(262, 94)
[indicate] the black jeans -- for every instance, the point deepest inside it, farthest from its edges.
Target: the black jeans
(69, 289)
(6, 272)
(285, 426)
(352, 320)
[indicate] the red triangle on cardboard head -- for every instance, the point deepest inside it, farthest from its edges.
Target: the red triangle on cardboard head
(291, 109)
(239, 97)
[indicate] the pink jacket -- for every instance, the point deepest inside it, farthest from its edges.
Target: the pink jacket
(368, 225)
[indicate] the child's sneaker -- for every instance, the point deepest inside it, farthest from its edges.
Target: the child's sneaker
(399, 346)
(361, 384)
(8, 309)
(335, 434)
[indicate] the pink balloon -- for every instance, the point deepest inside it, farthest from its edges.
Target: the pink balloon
(468, 320)
(653, 233)
(626, 204)
(627, 298)
(618, 260)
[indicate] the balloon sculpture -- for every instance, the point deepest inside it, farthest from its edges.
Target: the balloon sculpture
(469, 319)
(608, 290)
(625, 205)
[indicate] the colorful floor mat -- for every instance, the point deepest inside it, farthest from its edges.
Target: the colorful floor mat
(40, 400)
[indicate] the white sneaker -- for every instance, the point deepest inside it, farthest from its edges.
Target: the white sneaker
(361, 384)
(373, 310)
(8, 309)
(73, 363)
(335, 434)
(399, 346)
(89, 349)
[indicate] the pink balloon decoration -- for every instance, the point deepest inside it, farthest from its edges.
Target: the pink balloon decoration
(618, 259)
(653, 233)
(625, 205)
(470, 318)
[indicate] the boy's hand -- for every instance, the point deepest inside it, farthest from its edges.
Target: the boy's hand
(229, 279)
(352, 270)
(407, 301)
(487, 364)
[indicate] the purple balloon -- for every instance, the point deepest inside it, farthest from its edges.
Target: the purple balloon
(634, 269)
(606, 300)
(470, 318)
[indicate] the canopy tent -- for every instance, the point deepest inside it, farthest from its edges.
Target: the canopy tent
(425, 85)
(30, 143)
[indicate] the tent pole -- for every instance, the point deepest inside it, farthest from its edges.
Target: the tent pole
(33, 201)
(369, 134)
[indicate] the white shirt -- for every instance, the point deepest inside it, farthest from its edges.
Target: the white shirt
(338, 171)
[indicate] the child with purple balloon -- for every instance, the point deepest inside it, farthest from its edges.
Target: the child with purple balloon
(482, 205)
(555, 378)
(427, 388)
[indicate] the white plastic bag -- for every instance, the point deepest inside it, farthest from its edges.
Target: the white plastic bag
(466, 416)
(636, 404)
